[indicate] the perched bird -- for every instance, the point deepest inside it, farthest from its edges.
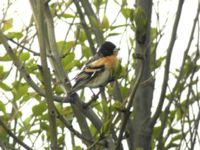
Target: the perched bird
(98, 71)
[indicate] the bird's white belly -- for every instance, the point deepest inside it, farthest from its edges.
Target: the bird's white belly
(101, 80)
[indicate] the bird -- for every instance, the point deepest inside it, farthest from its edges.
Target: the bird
(98, 71)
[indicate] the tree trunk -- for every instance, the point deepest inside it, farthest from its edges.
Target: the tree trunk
(140, 134)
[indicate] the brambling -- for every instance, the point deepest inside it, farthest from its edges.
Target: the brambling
(98, 71)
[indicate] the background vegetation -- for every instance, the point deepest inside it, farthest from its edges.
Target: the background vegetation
(153, 102)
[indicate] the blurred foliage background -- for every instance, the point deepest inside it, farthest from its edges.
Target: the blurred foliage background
(61, 36)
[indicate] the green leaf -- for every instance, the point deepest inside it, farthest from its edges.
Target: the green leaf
(113, 34)
(12, 35)
(67, 112)
(140, 19)
(66, 15)
(27, 123)
(31, 66)
(58, 90)
(94, 21)
(159, 62)
(27, 96)
(174, 130)
(106, 127)
(7, 24)
(64, 46)
(44, 126)
(3, 74)
(174, 139)
(126, 12)
(77, 148)
(71, 65)
(98, 107)
(86, 51)
(61, 140)
(117, 105)
(141, 22)
(156, 131)
(6, 57)
(98, 3)
(124, 90)
(19, 89)
(82, 36)
(179, 113)
(4, 86)
(118, 26)
(3, 134)
(68, 59)
(39, 109)
(24, 56)
(154, 33)
(139, 148)
(2, 107)
(172, 145)
(131, 41)
(117, 69)
(105, 23)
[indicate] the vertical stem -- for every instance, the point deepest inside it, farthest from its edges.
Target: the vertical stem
(141, 134)
(39, 17)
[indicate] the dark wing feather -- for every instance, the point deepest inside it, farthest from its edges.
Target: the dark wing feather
(94, 58)
(81, 79)
(86, 75)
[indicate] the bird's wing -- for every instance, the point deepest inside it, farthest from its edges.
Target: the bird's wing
(90, 70)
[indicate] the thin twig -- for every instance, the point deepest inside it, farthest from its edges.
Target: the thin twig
(179, 78)
(167, 65)
(25, 48)
(14, 136)
(71, 129)
(85, 27)
(131, 99)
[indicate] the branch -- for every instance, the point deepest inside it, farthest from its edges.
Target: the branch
(85, 27)
(131, 99)
(93, 21)
(21, 68)
(39, 18)
(181, 73)
(15, 138)
(70, 128)
(61, 75)
(52, 48)
(167, 65)
(25, 48)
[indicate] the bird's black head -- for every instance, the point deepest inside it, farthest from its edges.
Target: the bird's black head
(107, 49)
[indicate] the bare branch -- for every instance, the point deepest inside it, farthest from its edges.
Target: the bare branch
(167, 65)
(131, 99)
(85, 27)
(39, 17)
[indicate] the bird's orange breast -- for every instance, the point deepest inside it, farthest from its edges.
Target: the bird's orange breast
(108, 61)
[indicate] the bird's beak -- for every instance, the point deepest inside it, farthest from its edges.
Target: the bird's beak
(116, 50)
